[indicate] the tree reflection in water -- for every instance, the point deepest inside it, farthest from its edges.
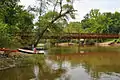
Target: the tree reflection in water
(40, 71)
(97, 65)
(36, 72)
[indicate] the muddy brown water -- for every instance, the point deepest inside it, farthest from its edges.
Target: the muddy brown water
(71, 63)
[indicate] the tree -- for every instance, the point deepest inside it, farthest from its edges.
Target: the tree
(25, 27)
(73, 27)
(8, 11)
(5, 38)
(95, 22)
(114, 22)
(16, 20)
(90, 18)
(62, 10)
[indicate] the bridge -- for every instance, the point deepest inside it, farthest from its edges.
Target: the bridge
(78, 36)
(83, 36)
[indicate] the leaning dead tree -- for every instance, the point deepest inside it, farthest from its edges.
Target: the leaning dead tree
(63, 8)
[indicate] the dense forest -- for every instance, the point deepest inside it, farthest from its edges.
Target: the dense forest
(97, 22)
(53, 18)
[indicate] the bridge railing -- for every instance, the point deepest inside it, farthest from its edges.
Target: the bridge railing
(73, 35)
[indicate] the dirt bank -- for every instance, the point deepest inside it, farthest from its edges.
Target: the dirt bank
(109, 43)
(9, 60)
(19, 59)
(105, 43)
(65, 44)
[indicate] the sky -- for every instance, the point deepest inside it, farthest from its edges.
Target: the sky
(84, 6)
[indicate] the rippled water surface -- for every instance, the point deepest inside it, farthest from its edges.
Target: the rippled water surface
(71, 63)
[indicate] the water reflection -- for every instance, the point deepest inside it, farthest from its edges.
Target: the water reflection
(87, 63)
(36, 72)
(17, 74)
(31, 73)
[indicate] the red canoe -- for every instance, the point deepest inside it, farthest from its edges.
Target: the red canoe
(6, 49)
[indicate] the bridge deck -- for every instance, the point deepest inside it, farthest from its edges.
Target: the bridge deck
(78, 36)
(83, 36)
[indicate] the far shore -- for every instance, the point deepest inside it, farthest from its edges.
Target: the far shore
(109, 43)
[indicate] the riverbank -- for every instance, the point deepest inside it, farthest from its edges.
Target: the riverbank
(108, 43)
(18, 59)
(6, 63)
(9, 60)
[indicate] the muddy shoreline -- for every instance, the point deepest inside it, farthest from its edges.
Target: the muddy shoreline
(109, 43)
(19, 60)
(10, 60)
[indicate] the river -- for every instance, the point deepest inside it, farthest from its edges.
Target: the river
(71, 63)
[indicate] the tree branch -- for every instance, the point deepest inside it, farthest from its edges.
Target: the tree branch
(55, 19)
(61, 7)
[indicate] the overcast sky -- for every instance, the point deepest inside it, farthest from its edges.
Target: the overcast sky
(84, 6)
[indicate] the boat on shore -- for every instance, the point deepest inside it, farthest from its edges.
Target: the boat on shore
(33, 51)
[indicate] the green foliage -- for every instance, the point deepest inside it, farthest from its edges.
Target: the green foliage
(73, 27)
(13, 19)
(3, 35)
(95, 22)
(5, 38)
(52, 19)
(68, 0)
(67, 6)
(55, 28)
(25, 27)
(9, 10)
